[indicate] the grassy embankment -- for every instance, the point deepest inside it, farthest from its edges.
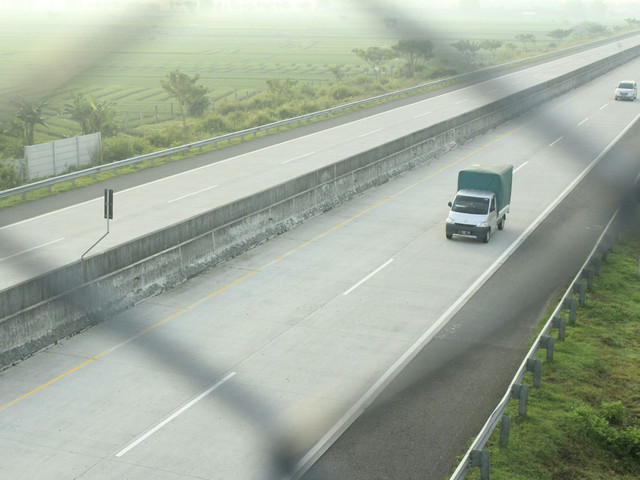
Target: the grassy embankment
(584, 421)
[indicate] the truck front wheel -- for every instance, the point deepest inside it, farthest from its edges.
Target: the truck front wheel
(487, 235)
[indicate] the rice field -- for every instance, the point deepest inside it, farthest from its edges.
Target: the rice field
(122, 59)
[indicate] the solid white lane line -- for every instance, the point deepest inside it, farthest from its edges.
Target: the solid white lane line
(175, 414)
(191, 194)
(368, 277)
(555, 141)
(298, 158)
(31, 249)
(370, 133)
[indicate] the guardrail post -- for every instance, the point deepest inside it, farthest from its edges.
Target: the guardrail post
(606, 246)
(505, 427)
(560, 323)
(588, 274)
(521, 392)
(572, 305)
(482, 459)
(597, 263)
(535, 365)
(548, 343)
(581, 289)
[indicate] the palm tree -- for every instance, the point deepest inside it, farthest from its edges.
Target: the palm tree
(29, 115)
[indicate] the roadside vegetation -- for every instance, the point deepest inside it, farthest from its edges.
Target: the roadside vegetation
(584, 421)
(172, 98)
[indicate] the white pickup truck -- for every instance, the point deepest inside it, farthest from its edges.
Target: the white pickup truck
(482, 202)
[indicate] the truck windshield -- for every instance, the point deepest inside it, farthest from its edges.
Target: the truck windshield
(473, 205)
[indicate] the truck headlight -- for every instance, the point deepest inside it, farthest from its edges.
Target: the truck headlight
(483, 224)
(450, 221)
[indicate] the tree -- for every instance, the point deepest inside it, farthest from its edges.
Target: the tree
(596, 29)
(468, 49)
(92, 115)
(281, 89)
(526, 39)
(492, 46)
(192, 98)
(376, 57)
(337, 72)
(413, 51)
(29, 115)
(560, 34)
(512, 47)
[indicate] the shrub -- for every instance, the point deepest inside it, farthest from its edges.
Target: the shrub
(11, 147)
(259, 118)
(342, 92)
(443, 72)
(122, 147)
(214, 124)
(8, 176)
(167, 137)
(288, 110)
(607, 428)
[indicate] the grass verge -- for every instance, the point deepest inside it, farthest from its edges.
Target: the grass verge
(584, 421)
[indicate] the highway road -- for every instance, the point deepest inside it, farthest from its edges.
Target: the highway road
(282, 348)
(35, 245)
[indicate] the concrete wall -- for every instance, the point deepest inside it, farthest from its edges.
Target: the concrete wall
(60, 156)
(41, 311)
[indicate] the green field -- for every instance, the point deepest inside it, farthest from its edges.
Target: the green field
(122, 59)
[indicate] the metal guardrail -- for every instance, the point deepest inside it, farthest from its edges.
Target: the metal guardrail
(475, 455)
(23, 189)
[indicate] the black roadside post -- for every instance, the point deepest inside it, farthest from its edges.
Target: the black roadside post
(108, 214)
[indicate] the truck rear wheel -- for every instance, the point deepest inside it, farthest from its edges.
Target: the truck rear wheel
(501, 223)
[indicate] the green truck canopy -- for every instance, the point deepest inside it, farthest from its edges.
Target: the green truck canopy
(494, 178)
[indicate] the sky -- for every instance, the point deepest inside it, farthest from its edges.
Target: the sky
(90, 4)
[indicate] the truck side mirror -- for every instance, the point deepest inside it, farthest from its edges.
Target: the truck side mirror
(449, 204)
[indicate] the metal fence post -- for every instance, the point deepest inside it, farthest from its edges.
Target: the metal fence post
(572, 305)
(581, 289)
(560, 323)
(521, 392)
(588, 274)
(535, 365)
(548, 343)
(505, 427)
(482, 459)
